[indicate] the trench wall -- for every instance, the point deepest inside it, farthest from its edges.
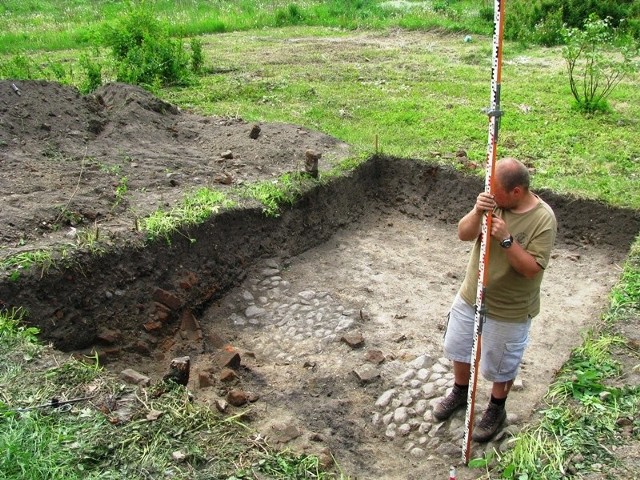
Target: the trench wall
(143, 293)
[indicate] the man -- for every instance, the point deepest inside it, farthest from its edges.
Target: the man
(523, 230)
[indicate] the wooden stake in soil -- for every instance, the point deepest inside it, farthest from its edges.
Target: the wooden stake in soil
(494, 125)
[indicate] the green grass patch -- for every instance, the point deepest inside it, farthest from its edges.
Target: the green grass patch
(194, 209)
(273, 194)
(58, 25)
(14, 264)
(14, 333)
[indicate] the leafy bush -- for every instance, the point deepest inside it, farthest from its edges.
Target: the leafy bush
(541, 21)
(595, 64)
(144, 52)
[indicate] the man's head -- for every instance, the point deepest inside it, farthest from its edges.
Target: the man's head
(511, 184)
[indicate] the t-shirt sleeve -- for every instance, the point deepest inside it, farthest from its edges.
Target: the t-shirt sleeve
(541, 247)
(542, 243)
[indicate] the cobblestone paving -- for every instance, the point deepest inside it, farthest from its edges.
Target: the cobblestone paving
(387, 281)
(284, 320)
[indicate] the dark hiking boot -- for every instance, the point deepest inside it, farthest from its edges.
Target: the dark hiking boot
(451, 403)
(493, 417)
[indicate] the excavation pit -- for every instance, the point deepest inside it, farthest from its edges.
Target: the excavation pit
(328, 317)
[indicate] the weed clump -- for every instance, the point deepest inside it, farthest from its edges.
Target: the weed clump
(145, 54)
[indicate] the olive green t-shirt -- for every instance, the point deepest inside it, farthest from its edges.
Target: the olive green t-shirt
(509, 296)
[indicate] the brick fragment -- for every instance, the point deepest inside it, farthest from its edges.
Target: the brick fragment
(228, 359)
(169, 299)
(129, 375)
(205, 380)
(237, 397)
(227, 375)
(109, 336)
(354, 340)
(190, 327)
(152, 326)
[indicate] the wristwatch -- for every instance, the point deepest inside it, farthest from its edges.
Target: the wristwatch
(507, 242)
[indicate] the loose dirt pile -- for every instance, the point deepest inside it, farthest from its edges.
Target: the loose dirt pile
(65, 155)
(335, 307)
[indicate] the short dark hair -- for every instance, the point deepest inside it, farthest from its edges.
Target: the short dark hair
(514, 174)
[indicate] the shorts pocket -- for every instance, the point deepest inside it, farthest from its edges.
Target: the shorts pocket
(511, 358)
(446, 326)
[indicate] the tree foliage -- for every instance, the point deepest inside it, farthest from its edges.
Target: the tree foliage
(542, 21)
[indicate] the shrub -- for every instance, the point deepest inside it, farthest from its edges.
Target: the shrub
(541, 21)
(596, 62)
(144, 52)
(197, 57)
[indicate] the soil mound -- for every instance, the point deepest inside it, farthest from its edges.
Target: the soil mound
(64, 155)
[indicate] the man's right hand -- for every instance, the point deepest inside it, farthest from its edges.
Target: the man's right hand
(484, 203)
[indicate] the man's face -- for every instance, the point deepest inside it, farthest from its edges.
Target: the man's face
(502, 197)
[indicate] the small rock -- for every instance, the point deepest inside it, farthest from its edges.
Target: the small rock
(169, 299)
(204, 380)
(385, 398)
(253, 312)
(366, 374)
(399, 338)
(237, 397)
(131, 376)
(518, 385)
(417, 452)
(179, 371)
(215, 340)
(152, 326)
(178, 456)
(400, 415)
(223, 178)
(110, 336)
(228, 375)
(220, 404)
(227, 154)
(405, 377)
(422, 362)
(354, 340)
(228, 359)
(311, 158)
(190, 327)
(255, 131)
(284, 432)
(252, 397)
(374, 356)
(154, 415)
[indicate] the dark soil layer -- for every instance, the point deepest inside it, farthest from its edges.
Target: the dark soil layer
(122, 288)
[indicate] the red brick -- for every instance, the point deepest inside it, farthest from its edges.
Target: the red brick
(152, 326)
(169, 299)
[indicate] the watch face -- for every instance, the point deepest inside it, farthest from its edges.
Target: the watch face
(506, 243)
